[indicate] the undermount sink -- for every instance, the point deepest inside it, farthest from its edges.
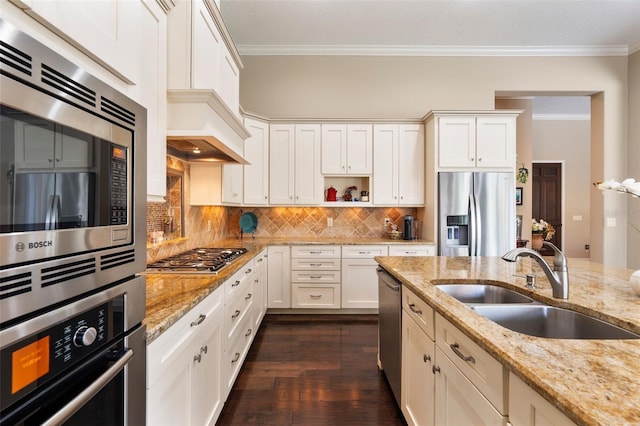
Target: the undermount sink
(551, 322)
(483, 293)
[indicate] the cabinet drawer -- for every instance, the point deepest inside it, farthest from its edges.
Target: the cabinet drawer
(165, 349)
(315, 276)
(484, 371)
(418, 309)
(319, 251)
(237, 350)
(238, 280)
(412, 250)
(363, 252)
(320, 296)
(316, 264)
(236, 310)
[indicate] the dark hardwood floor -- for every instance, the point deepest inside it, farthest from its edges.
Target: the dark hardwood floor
(312, 370)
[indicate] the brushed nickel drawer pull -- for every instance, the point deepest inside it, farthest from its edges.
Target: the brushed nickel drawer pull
(248, 333)
(315, 296)
(201, 318)
(248, 296)
(235, 358)
(235, 315)
(413, 308)
(248, 271)
(236, 284)
(315, 277)
(315, 264)
(315, 252)
(456, 349)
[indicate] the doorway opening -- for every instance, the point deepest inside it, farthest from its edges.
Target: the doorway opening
(547, 199)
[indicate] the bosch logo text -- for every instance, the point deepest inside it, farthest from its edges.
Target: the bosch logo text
(39, 244)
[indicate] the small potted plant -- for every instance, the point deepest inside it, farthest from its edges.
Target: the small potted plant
(540, 230)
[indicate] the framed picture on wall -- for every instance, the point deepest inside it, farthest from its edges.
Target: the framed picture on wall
(519, 196)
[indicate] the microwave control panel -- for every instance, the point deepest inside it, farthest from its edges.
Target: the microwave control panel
(118, 185)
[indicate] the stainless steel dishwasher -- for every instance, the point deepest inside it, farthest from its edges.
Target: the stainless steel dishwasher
(390, 329)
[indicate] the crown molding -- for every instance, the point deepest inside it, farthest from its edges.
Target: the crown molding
(340, 50)
(633, 48)
(561, 117)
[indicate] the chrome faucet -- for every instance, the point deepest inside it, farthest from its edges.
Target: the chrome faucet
(558, 277)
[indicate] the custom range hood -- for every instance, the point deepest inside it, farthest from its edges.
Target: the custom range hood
(201, 128)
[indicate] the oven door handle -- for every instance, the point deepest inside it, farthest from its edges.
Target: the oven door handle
(83, 397)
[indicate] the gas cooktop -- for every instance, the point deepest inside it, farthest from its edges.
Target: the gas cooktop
(200, 260)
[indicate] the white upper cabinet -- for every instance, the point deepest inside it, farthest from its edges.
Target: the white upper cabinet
(256, 152)
(201, 52)
(398, 164)
(294, 164)
(153, 89)
(347, 149)
(109, 32)
(232, 186)
(480, 140)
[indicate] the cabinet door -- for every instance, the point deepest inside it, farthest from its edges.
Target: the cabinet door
(107, 31)
(169, 399)
(359, 149)
(281, 158)
(206, 49)
(457, 141)
(153, 89)
(256, 152)
(418, 381)
(359, 283)
(496, 142)
(334, 149)
(385, 164)
(232, 183)
(457, 401)
(229, 88)
(206, 387)
(411, 164)
(308, 176)
(205, 184)
(279, 277)
(528, 408)
(260, 288)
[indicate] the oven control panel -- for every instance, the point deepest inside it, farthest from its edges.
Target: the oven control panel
(31, 362)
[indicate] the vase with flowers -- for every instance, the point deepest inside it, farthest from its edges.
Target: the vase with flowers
(540, 230)
(631, 187)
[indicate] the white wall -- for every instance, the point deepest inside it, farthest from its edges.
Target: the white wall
(633, 158)
(408, 87)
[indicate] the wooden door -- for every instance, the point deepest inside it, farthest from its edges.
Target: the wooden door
(547, 199)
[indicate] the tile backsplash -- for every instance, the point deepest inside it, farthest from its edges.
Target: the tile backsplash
(348, 222)
(204, 225)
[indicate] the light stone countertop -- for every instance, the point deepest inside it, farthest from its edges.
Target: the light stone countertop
(171, 296)
(594, 382)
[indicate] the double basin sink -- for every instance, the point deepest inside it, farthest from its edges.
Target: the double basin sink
(522, 314)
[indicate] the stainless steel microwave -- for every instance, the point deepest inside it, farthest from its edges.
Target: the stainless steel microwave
(72, 178)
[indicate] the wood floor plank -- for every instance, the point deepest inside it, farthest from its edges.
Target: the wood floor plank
(312, 370)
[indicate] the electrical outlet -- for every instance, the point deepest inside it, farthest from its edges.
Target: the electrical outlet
(208, 226)
(329, 221)
(387, 221)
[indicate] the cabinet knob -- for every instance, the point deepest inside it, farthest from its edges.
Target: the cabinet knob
(197, 358)
(426, 358)
(471, 159)
(479, 159)
(265, 197)
(435, 369)
(204, 349)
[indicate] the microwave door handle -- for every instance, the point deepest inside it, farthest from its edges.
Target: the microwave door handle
(53, 213)
(92, 390)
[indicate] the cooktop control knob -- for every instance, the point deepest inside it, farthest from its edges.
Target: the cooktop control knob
(84, 336)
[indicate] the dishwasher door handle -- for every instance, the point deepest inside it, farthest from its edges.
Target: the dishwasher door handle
(392, 286)
(388, 280)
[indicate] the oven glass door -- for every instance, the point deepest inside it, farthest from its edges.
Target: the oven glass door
(58, 177)
(102, 378)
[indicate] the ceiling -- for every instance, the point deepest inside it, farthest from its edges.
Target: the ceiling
(434, 27)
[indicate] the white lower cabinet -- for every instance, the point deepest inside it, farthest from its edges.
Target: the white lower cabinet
(260, 287)
(184, 367)
(315, 277)
(418, 380)
(279, 277)
(412, 250)
(359, 277)
(528, 408)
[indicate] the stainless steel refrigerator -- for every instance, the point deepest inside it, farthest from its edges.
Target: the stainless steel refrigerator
(477, 213)
(44, 201)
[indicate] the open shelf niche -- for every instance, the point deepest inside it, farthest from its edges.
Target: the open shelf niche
(341, 183)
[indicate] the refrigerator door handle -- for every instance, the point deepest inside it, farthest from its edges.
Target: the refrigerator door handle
(53, 213)
(474, 226)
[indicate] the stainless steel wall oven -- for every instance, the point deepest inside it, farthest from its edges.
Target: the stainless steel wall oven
(72, 241)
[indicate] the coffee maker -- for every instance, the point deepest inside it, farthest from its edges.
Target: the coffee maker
(408, 228)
